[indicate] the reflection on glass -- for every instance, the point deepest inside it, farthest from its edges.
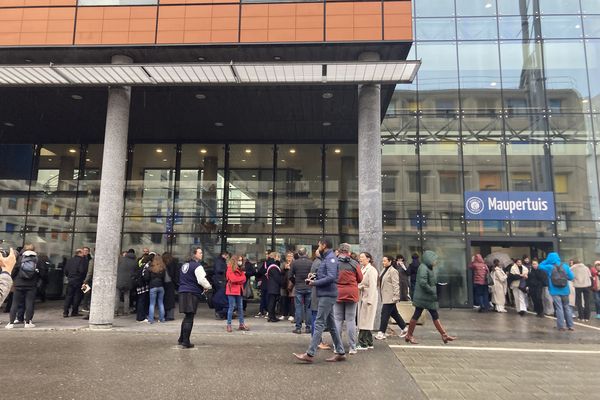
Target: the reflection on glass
(517, 7)
(564, 26)
(524, 27)
(566, 76)
(435, 29)
(590, 6)
(341, 185)
(571, 127)
(442, 8)
(522, 77)
(476, 28)
(575, 181)
(405, 96)
(253, 247)
(476, 7)
(89, 184)
(400, 183)
(593, 59)
(484, 167)
(480, 76)
(15, 172)
(438, 77)
(591, 25)
(401, 245)
(559, 7)
(528, 167)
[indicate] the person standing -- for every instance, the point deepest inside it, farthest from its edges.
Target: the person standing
(518, 283)
(299, 273)
(171, 283)
(426, 298)
(155, 275)
(261, 279)
(499, 288)
(327, 293)
(143, 288)
(285, 301)
(559, 276)
(25, 279)
(125, 273)
(536, 281)
(595, 270)
(368, 299)
(219, 298)
(389, 291)
(480, 272)
(273, 284)
(413, 268)
(404, 276)
(349, 276)
(236, 278)
(7, 265)
(583, 289)
(192, 285)
(75, 271)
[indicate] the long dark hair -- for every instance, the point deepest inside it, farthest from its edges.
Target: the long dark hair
(167, 258)
(368, 255)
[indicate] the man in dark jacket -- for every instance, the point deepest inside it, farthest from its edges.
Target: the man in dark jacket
(261, 279)
(298, 274)
(75, 271)
(125, 275)
(327, 293)
(273, 284)
(25, 282)
(219, 281)
(536, 281)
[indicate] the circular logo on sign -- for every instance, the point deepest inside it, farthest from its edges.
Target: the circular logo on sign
(475, 205)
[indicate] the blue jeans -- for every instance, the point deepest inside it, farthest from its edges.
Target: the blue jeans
(233, 300)
(482, 296)
(325, 318)
(313, 314)
(303, 308)
(597, 301)
(563, 313)
(157, 293)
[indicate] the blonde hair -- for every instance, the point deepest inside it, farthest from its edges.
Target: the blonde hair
(274, 255)
(158, 265)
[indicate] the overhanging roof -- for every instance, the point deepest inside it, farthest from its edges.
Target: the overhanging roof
(177, 74)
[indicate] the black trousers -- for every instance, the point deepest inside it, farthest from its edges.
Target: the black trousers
(271, 306)
(23, 295)
(418, 311)
(536, 294)
(387, 311)
(582, 301)
(72, 298)
(186, 328)
(143, 301)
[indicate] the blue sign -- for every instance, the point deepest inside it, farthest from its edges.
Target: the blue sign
(533, 206)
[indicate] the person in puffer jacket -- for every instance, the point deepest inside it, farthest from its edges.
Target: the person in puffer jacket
(560, 295)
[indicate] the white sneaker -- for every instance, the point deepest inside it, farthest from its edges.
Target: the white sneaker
(352, 351)
(404, 332)
(281, 318)
(361, 348)
(16, 321)
(291, 319)
(29, 325)
(9, 326)
(380, 336)
(370, 347)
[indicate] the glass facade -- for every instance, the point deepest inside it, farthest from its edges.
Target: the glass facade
(506, 99)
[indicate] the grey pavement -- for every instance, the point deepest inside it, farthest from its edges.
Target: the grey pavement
(62, 358)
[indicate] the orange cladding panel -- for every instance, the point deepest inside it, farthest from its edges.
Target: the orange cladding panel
(349, 21)
(36, 26)
(301, 22)
(116, 25)
(397, 20)
(203, 23)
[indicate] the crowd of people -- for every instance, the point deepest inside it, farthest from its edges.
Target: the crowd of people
(550, 287)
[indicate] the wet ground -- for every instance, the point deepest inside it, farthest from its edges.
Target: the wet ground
(497, 356)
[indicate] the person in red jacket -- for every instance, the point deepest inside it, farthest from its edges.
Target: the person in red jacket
(236, 278)
(349, 276)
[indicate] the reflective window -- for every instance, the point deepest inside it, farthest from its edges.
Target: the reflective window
(522, 28)
(476, 28)
(590, 6)
(341, 183)
(442, 8)
(15, 172)
(563, 26)
(399, 167)
(520, 7)
(593, 59)
(559, 7)
(528, 167)
(435, 29)
(566, 76)
(591, 25)
(484, 167)
(480, 76)
(438, 76)
(475, 7)
(522, 76)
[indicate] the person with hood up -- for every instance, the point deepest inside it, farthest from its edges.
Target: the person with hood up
(426, 298)
(559, 289)
(413, 267)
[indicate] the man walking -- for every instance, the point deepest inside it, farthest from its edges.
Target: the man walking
(299, 273)
(75, 271)
(327, 292)
(192, 284)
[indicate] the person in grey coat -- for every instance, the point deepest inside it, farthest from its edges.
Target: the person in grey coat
(125, 272)
(6, 267)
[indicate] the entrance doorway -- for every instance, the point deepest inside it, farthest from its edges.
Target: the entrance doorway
(514, 248)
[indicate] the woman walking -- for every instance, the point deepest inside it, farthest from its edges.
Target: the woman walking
(499, 288)
(426, 298)
(480, 272)
(156, 278)
(236, 278)
(367, 305)
(389, 289)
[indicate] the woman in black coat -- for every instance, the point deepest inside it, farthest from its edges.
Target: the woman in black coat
(273, 284)
(171, 283)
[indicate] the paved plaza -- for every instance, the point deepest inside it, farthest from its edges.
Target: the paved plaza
(497, 356)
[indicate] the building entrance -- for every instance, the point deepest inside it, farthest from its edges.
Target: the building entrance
(514, 248)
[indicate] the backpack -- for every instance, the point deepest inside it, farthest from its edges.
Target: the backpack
(28, 266)
(559, 277)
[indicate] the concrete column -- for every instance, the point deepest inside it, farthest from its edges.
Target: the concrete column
(369, 168)
(110, 211)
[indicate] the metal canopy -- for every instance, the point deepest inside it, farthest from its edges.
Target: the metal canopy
(183, 74)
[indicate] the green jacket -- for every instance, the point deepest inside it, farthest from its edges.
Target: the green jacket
(426, 286)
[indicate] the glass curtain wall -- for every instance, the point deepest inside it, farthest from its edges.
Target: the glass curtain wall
(506, 99)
